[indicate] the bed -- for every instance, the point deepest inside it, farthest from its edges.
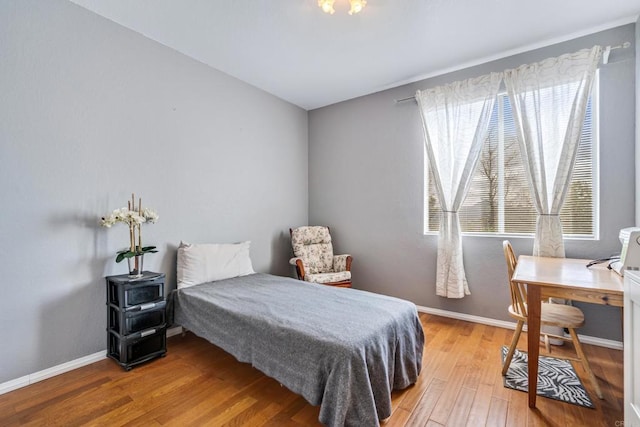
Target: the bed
(342, 349)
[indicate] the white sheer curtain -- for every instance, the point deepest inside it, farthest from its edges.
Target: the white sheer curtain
(549, 100)
(455, 119)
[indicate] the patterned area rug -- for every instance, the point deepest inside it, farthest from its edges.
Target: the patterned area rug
(556, 378)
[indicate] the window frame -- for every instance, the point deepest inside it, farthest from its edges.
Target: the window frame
(595, 177)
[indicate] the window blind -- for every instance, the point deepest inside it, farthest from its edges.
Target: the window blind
(499, 200)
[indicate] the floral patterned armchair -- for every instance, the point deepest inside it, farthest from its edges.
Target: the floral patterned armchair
(314, 258)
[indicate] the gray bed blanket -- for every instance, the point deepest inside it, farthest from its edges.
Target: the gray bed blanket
(343, 349)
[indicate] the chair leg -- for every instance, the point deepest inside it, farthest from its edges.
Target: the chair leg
(585, 362)
(546, 343)
(512, 347)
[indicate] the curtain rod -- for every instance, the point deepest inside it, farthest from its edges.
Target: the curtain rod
(605, 60)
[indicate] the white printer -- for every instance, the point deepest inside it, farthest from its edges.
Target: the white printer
(630, 255)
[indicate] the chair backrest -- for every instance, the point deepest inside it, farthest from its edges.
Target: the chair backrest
(517, 290)
(313, 245)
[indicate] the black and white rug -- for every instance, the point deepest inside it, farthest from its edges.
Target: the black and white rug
(556, 378)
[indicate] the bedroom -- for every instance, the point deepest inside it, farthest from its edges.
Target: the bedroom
(93, 111)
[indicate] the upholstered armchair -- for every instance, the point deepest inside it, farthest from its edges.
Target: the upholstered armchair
(314, 259)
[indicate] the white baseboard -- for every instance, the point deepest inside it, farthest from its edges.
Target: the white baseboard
(174, 331)
(51, 372)
(586, 339)
(8, 386)
(64, 367)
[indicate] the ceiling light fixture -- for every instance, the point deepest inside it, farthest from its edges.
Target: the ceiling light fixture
(327, 6)
(356, 6)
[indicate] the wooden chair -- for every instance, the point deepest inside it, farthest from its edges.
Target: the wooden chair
(563, 316)
(314, 259)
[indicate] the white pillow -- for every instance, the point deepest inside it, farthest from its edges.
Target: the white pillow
(201, 263)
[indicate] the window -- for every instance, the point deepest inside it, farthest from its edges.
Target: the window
(499, 201)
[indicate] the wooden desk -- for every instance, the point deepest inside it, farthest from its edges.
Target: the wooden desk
(561, 278)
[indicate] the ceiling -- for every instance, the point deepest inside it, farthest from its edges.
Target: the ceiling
(293, 50)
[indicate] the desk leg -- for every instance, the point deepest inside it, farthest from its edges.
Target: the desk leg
(533, 339)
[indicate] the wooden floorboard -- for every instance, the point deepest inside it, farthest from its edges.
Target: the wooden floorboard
(198, 384)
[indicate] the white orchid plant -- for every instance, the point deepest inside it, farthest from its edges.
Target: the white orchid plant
(134, 217)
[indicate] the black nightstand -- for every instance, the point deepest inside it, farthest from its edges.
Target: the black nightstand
(136, 318)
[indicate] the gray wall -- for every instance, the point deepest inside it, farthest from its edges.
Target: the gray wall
(90, 112)
(366, 182)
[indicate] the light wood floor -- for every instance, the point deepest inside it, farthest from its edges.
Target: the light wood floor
(199, 384)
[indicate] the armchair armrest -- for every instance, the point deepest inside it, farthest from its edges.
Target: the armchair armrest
(342, 262)
(299, 266)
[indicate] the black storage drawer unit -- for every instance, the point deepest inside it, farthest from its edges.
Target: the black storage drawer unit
(140, 317)
(137, 348)
(126, 292)
(136, 318)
